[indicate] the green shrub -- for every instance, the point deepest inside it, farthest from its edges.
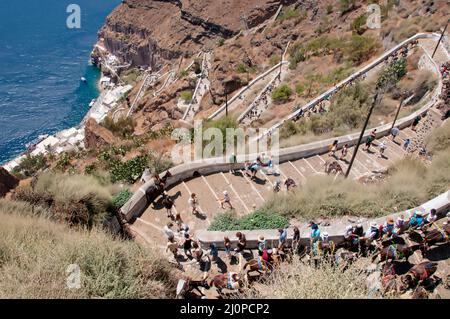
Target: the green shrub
(346, 5)
(221, 42)
(255, 220)
(329, 9)
(361, 48)
(299, 89)
(392, 74)
(186, 96)
(121, 198)
(282, 93)
(288, 13)
(29, 165)
(358, 25)
(128, 171)
(183, 74)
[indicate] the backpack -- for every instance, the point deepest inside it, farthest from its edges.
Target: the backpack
(265, 255)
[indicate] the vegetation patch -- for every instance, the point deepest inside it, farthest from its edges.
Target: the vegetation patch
(35, 254)
(282, 93)
(256, 220)
(123, 127)
(409, 184)
(121, 198)
(29, 165)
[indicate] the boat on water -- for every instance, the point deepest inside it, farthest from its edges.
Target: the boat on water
(83, 79)
(92, 102)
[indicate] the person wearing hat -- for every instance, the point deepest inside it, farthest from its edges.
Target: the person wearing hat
(400, 224)
(388, 227)
(373, 233)
(226, 200)
(168, 203)
(261, 244)
(325, 237)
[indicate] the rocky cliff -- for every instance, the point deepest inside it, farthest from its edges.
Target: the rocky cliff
(150, 32)
(7, 182)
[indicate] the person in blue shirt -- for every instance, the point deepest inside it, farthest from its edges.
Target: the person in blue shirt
(214, 251)
(282, 238)
(314, 237)
(416, 220)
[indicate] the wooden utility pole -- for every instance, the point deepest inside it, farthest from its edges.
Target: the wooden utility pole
(440, 39)
(374, 103)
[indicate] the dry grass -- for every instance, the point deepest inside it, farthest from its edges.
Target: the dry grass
(35, 253)
(409, 183)
(300, 281)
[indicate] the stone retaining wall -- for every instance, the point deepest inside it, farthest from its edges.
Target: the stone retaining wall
(205, 237)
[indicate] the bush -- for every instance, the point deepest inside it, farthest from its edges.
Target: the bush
(346, 6)
(35, 253)
(128, 171)
(360, 48)
(255, 220)
(30, 165)
(392, 74)
(358, 25)
(121, 198)
(74, 199)
(288, 13)
(186, 96)
(282, 93)
(329, 8)
(123, 127)
(301, 281)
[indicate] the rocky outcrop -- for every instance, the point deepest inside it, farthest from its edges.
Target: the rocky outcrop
(97, 136)
(7, 182)
(151, 32)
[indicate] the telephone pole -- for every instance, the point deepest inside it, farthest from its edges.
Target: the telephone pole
(440, 39)
(374, 103)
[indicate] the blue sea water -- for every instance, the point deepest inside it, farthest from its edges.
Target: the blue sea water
(41, 63)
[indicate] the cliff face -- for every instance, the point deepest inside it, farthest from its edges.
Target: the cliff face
(150, 32)
(7, 182)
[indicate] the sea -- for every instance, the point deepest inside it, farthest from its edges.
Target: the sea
(41, 63)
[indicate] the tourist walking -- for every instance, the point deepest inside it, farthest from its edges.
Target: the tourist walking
(370, 140)
(172, 246)
(283, 233)
(187, 246)
(179, 222)
(233, 163)
(227, 245)
(193, 204)
(333, 148)
(382, 148)
(168, 230)
(226, 200)
(416, 122)
(296, 239)
(261, 244)
(168, 204)
(344, 152)
(406, 144)
(213, 252)
(394, 133)
(242, 242)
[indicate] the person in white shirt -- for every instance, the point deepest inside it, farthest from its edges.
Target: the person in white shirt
(226, 200)
(193, 203)
(432, 216)
(168, 230)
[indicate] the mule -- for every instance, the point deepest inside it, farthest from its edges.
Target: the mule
(155, 190)
(417, 274)
(259, 265)
(230, 281)
(432, 237)
(396, 252)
